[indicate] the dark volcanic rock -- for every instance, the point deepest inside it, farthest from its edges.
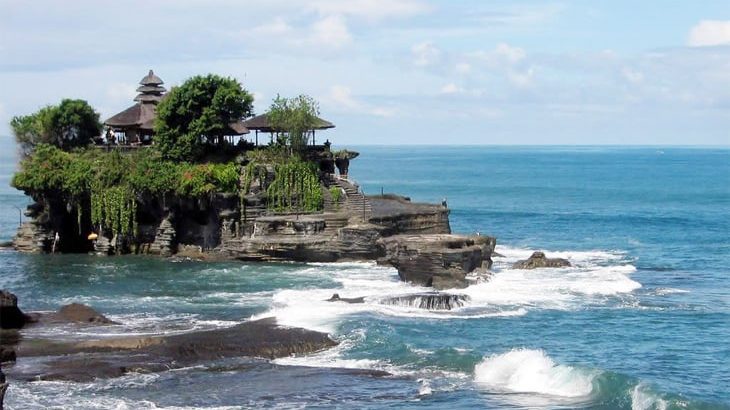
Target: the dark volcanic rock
(77, 312)
(336, 298)
(11, 317)
(6, 354)
(428, 300)
(441, 261)
(539, 260)
(3, 388)
(82, 361)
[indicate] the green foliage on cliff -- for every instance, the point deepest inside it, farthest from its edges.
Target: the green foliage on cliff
(295, 187)
(197, 114)
(293, 118)
(114, 183)
(68, 125)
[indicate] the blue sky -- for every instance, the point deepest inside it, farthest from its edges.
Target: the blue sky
(398, 71)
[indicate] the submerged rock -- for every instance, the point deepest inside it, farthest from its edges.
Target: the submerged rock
(77, 312)
(428, 301)
(336, 298)
(539, 260)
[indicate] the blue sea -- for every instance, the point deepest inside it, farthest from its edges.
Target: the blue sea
(641, 320)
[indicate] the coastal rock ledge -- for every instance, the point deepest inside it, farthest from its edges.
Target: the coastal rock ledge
(441, 261)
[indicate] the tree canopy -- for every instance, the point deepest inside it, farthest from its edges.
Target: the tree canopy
(197, 114)
(70, 124)
(293, 118)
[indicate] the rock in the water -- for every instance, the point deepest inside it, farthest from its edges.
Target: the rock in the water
(77, 312)
(428, 300)
(6, 354)
(112, 357)
(3, 388)
(539, 260)
(336, 298)
(11, 317)
(440, 261)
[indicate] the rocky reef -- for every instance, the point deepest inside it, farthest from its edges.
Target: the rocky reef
(539, 260)
(86, 359)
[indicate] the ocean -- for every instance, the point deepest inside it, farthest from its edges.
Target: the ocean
(641, 320)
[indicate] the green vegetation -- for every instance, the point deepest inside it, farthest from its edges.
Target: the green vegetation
(114, 183)
(106, 188)
(336, 194)
(293, 118)
(71, 124)
(197, 114)
(295, 187)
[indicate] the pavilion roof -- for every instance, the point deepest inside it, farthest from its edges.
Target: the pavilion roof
(140, 116)
(261, 123)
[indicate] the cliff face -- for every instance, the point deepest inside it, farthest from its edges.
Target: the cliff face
(228, 227)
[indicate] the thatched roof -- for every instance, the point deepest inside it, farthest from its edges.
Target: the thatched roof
(140, 116)
(148, 98)
(155, 89)
(261, 123)
(151, 79)
(238, 128)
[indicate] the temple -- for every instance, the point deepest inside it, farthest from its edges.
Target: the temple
(135, 124)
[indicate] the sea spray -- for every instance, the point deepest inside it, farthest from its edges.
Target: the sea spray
(532, 371)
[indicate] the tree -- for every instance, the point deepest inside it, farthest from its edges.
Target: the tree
(71, 124)
(197, 114)
(293, 118)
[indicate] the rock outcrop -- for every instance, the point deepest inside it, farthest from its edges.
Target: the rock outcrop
(77, 312)
(11, 317)
(113, 357)
(440, 261)
(539, 260)
(3, 388)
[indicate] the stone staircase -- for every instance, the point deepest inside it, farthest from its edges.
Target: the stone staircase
(333, 222)
(355, 202)
(164, 239)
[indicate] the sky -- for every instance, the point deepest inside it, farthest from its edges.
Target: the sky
(397, 71)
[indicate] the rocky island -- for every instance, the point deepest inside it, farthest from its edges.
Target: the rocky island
(166, 178)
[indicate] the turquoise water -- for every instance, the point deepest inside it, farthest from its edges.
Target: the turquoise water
(641, 322)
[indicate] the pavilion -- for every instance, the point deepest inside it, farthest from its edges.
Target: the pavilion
(261, 123)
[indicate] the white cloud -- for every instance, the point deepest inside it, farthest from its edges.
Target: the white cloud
(710, 33)
(451, 88)
(121, 92)
(511, 54)
(330, 31)
(278, 27)
(632, 76)
(340, 97)
(371, 9)
(521, 78)
(462, 68)
(425, 54)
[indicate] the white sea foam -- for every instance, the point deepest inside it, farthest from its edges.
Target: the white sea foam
(532, 371)
(509, 292)
(643, 399)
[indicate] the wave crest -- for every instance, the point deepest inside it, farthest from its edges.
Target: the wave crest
(532, 371)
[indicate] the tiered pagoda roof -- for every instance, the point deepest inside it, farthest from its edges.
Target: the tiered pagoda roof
(150, 89)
